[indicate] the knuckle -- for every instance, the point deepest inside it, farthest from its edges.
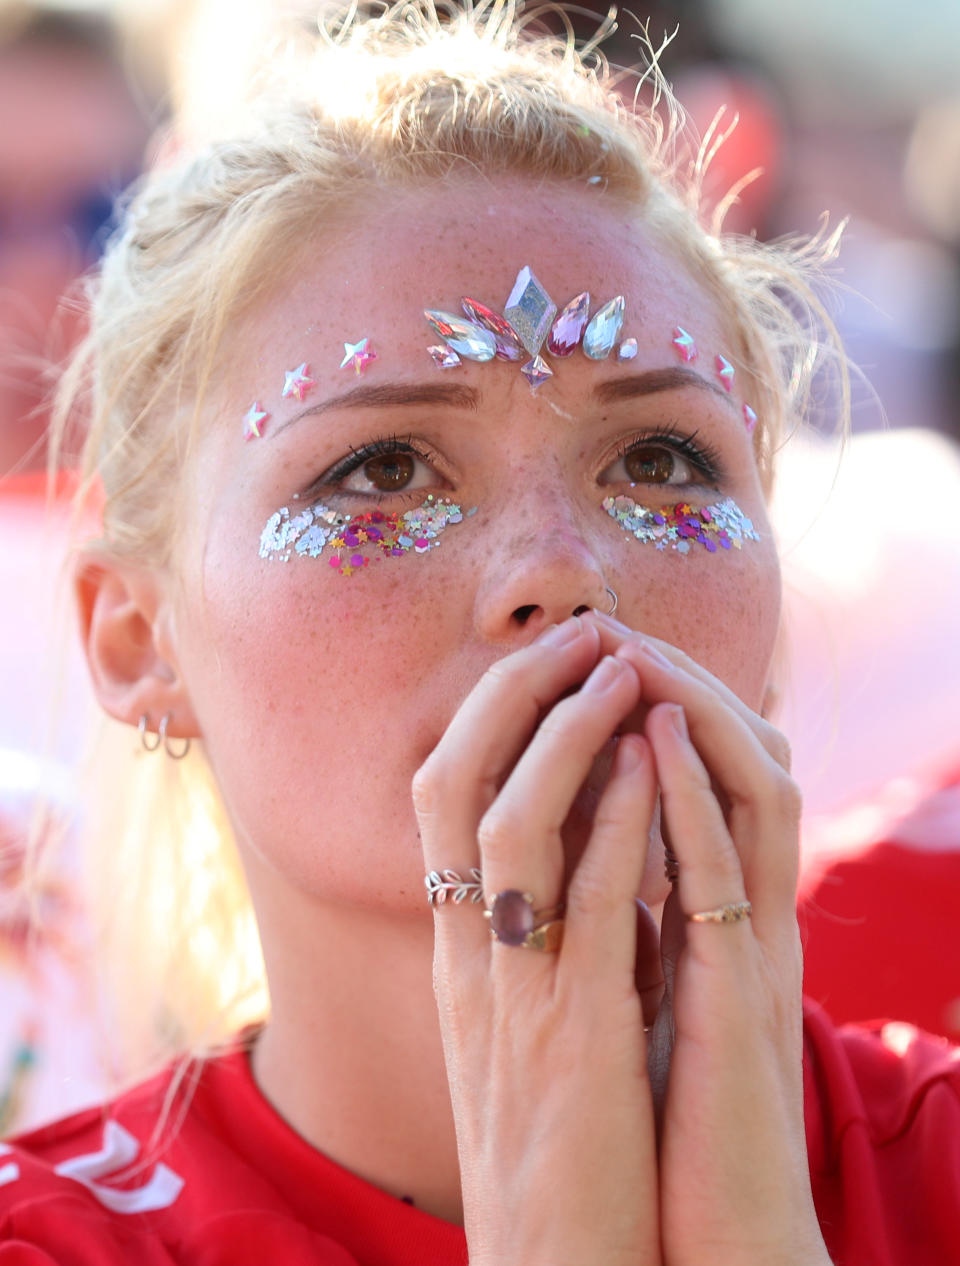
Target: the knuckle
(589, 896)
(497, 837)
(788, 799)
(425, 787)
(777, 744)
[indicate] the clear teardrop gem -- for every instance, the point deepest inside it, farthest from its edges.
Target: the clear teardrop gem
(465, 338)
(604, 329)
(569, 326)
(627, 349)
(536, 372)
(530, 310)
(509, 346)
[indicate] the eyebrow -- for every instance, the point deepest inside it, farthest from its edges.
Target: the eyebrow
(654, 380)
(458, 395)
(392, 395)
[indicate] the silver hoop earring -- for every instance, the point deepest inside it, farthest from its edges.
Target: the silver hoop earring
(614, 600)
(143, 732)
(174, 755)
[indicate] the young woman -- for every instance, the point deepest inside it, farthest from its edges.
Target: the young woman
(434, 435)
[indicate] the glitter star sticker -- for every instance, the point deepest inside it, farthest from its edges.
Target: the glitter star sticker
(684, 343)
(725, 371)
(359, 355)
(251, 421)
(297, 382)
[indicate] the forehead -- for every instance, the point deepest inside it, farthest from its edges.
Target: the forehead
(373, 269)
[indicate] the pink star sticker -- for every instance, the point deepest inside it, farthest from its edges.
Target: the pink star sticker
(725, 372)
(359, 355)
(251, 422)
(749, 418)
(684, 344)
(297, 382)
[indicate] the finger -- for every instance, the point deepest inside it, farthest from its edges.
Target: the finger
(710, 871)
(600, 941)
(460, 778)
(614, 635)
(520, 837)
(763, 800)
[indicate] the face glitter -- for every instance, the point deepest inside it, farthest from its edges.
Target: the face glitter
(725, 371)
(722, 526)
(567, 331)
(251, 422)
(379, 533)
(684, 344)
(359, 355)
(603, 331)
(444, 357)
(297, 382)
(627, 349)
(463, 337)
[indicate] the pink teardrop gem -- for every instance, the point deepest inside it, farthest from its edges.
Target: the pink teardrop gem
(569, 326)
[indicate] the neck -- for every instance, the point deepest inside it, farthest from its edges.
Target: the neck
(351, 1056)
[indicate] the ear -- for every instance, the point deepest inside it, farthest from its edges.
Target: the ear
(125, 629)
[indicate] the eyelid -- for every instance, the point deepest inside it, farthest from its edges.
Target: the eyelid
(382, 445)
(701, 454)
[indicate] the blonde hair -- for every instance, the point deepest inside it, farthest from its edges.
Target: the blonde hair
(413, 95)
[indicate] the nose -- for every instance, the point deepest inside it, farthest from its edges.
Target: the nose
(546, 574)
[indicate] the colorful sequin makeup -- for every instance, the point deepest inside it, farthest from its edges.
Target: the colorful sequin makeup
(680, 527)
(297, 382)
(357, 540)
(358, 356)
(253, 421)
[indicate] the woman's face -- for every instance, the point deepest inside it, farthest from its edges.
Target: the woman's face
(320, 692)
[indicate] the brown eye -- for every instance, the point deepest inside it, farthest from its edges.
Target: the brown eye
(649, 465)
(390, 472)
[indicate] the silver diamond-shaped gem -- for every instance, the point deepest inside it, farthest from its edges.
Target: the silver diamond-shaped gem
(604, 329)
(530, 310)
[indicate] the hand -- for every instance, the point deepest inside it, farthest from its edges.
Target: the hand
(545, 1053)
(733, 1175)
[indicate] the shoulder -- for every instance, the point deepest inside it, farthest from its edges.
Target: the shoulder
(883, 1137)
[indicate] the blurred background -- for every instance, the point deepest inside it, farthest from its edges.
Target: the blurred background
(851, 110)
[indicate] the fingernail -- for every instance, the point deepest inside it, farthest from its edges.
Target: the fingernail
(629, 755)
(679, 721)
(611, 623)
(653, 654)
(604, 675)
(561, 634)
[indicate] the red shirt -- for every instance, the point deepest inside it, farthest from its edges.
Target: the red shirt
(231, 1184)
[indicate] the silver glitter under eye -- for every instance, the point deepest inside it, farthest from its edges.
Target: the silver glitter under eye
(717, 527)
(357, 540)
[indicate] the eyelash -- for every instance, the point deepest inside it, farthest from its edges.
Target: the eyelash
(704, 456)
(700, 454)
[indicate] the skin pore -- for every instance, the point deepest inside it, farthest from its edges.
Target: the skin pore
(318, 696)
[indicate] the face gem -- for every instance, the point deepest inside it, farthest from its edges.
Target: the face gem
(251, 422)
(604, 329)
(530, 310)
(749, 419)
(468, 340)
(509, 346)
(297, 382)
(359, 355)
(308, 531)
(627, 349)
(684, 344)
(725, 372)
(444, 357)
(536, 372)
(721, 526)
(569, 326)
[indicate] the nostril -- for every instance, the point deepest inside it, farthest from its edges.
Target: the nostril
(523, 614)
(581, 610)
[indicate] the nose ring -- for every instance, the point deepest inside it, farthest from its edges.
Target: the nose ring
(614, 600)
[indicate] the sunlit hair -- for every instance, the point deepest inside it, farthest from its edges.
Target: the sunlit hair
(411, 96)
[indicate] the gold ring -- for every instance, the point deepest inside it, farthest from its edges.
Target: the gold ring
(735, 912)
(513, 921)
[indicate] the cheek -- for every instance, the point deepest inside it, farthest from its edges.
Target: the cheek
(722, 609)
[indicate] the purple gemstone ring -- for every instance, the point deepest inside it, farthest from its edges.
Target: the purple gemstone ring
(513, 921)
